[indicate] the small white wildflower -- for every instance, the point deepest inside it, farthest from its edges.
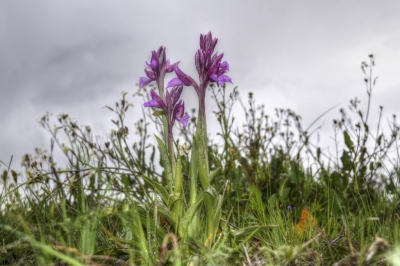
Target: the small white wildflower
(31, 171)
(65, 148)
(186, 148)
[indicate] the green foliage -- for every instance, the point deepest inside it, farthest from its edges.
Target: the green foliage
(112, 204)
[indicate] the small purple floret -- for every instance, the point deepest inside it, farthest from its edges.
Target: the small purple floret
(179, 113)
(144, 81)
(221, 79)
(155, 101)
(175, 82)
(174, 108)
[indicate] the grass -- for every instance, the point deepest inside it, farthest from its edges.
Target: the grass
(279, 199)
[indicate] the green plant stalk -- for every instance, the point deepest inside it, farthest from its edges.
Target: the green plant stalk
(164, 119)
(171, 148)
(193, 175)
(177, 208)
(203, 166)
(166, 130)
(201, 141)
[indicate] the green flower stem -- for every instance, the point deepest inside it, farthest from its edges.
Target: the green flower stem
(165, 126)
(177, 208)
(168, 136)
(193, 175)
(171, 148)
(201, 135)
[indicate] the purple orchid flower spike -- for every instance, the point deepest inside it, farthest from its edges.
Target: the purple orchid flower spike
(173, 107)
(209, 67)
(156, 69)
(207, 43)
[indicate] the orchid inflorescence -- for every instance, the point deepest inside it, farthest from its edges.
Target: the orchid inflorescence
(208, 65)
(156, 69)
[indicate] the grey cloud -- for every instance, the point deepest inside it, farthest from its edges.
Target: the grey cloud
(76, 56)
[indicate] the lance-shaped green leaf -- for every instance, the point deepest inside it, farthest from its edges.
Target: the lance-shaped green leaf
(210, 197)
(193, 172)
(218, 212)
(346, 161)
(166, 163)
(187, 220)
(171, 200)
(211, 190)
(279, 215)
(214, 173)
(140, 236)
(150, 225)
(348, 141)
(167, 214)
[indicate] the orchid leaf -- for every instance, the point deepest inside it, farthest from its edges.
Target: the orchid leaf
(171, 199)
(166, 163)
(203, 162)
(167, 214)
(218, 212)
(214, 173)
(193, 171)
(211, 190)
(190, 213)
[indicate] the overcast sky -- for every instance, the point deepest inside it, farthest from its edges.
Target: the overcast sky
(77, 56)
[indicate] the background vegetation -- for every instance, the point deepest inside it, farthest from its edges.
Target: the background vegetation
(280, 199)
